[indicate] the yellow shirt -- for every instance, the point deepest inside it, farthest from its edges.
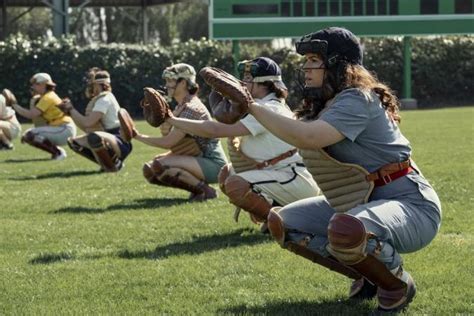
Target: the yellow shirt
(48, 105)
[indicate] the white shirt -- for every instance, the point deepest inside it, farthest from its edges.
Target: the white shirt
(262, 145)
(109, 106)
(5, 111)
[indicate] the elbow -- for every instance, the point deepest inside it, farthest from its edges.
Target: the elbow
(308, 142)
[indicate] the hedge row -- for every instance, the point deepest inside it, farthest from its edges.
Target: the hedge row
(443, 70)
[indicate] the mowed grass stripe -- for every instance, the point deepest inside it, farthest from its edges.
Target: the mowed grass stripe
(75, 241)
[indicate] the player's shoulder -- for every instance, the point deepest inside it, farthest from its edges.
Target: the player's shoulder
(51, 97)
(355, 94)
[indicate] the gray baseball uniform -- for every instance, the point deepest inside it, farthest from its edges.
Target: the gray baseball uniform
(404, 214)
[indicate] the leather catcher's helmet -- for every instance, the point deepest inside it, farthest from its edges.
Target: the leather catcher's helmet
(334, 44)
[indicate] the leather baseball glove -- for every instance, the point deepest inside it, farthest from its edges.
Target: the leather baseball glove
(10, 98)
(127, 126)
(155, 108)
(232, 99)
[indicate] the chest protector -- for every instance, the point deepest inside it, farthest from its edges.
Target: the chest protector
(343, 184)
(97, 126)
(239, 160)
(186, 146)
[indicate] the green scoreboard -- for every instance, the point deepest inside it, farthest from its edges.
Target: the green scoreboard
(265, 19)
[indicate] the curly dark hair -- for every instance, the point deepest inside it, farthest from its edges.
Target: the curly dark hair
(353, 76)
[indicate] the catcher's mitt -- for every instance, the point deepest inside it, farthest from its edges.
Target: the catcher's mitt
(234, 97)
(10, 98)
(127, 126)
(155, 108)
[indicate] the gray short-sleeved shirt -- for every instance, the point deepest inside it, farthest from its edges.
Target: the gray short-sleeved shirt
(372, 139)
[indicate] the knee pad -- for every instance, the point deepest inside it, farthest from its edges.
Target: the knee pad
(224, 173)
(240, 193)
(106, 157)
(276, 226)
(28, 137)
(347, 239)
(148, 173)
(95, 141)
(236, 188)
(157, 167)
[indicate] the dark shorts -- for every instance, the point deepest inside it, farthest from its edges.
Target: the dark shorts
(125, 147)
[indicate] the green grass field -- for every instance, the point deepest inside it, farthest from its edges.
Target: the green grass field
(75, 241)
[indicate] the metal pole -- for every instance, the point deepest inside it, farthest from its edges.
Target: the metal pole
(60, 10)
(235, 55)
(407, 102)
(407, 67)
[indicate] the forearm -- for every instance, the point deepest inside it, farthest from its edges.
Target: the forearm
(79, 119)
(153, 141)
(288, 129)
(205, 129)
(23, 112)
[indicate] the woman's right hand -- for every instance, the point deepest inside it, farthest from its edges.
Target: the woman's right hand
(66, 106)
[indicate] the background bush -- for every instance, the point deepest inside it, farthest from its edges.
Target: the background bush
(443, 70)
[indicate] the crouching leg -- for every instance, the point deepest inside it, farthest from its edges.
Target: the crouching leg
(348, 240)
(240, 194)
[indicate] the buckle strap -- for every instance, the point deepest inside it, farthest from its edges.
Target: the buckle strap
(271, 162)
(390, 172)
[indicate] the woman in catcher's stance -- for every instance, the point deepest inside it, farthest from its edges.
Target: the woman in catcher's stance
(59, 126)
(377, 204)
(102, 143)
(264, 170)
(10, 128)
(192, 161)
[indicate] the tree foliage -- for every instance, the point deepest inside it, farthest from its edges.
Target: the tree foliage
(443, 72)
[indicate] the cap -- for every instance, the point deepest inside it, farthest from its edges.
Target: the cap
(42, 77)
(262, 69)
(180, 70)
(334, 44)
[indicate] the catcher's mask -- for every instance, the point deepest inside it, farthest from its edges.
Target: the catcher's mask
(337, 47)
(95, 76)
(261, 69)
(334, 44)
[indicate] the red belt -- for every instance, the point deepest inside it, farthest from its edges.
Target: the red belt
(390, 172)
(386, 179)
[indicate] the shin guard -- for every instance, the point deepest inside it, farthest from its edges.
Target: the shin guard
(277, 230)
(151, 176)
(240, 194)
(83, 151)
(105, 156)
(40, 143)
(348, 242)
